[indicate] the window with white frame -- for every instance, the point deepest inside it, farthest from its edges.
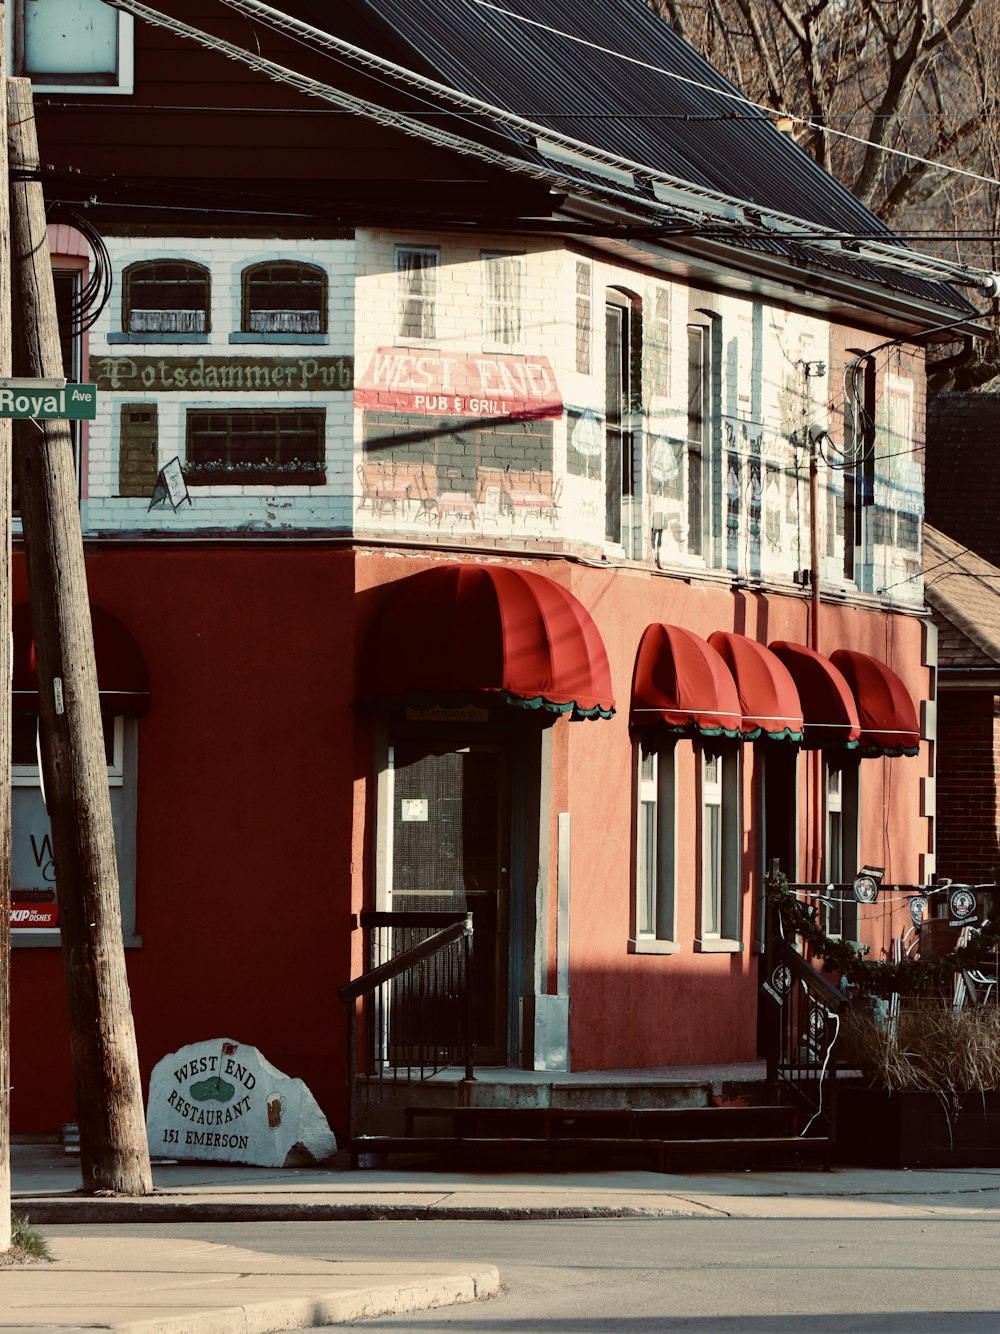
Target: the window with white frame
(842, 778)
(503, 299)
(166, 298)
(584, 317)
(72, 45)
(721, 849)
(417, 291)
(654, 906)
(702, 448)
(284, 297)
(896, 463)
(34, 906)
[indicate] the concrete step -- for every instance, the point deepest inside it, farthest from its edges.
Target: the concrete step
(676, 1155)
(547, 1123)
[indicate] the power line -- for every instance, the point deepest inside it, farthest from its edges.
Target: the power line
(739, 97)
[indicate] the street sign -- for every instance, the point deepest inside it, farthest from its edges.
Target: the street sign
(44, 400)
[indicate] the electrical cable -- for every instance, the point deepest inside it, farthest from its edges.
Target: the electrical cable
(739, 97)
(695, 203)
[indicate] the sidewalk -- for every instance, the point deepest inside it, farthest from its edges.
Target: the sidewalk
(154, 1286)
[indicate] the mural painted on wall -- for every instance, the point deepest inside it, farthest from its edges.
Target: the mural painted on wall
(452, 470)
(452, 440)
(403, 379)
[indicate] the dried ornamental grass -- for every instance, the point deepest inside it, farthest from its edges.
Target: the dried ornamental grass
(932, 1046)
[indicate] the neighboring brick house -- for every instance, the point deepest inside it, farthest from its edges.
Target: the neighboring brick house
(963, 469)
(963, 592)
(487, 429)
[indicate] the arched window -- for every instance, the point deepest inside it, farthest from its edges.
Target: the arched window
(284, 297)
(166, 296)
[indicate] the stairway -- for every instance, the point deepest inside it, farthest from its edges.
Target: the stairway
(594, 1128)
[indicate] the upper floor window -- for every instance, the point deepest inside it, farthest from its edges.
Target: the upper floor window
(622, 421)
(416, 290)
(166, 296)
(72, 45)
(703, 461)
(284, 297)
(503, 297)
(584, 317)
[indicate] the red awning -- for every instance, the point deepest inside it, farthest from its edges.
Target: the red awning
(488, 629)
(121, 670)
(682, 685)
(767, 694)
(828, 708)
(888, 716)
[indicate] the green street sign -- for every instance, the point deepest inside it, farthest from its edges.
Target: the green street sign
(43, 400)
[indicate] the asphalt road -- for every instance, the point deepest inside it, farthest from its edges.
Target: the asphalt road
(712, 1276)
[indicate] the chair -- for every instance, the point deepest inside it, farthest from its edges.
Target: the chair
(381, 488)
(456, 502)
(533, 492)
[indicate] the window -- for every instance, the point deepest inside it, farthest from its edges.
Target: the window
(72, 45)
(416, 288)
(721, 848)
(503, 297)
(244, 445)
(34, 909)
(859, 471)
(584, 318)
(703, 480)
(622, 377)
(653, 925)
(840, 850)
(166, 297)
(284, 298)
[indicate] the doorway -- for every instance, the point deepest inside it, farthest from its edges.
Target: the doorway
(450, 852)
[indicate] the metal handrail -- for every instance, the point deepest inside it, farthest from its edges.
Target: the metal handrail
(459, 928)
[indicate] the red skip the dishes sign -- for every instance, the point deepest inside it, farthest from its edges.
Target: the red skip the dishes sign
(34, 908)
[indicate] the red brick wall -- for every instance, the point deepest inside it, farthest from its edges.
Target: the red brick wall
(967, 798)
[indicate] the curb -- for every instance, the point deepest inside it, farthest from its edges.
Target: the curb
(41, 1212)
(326, 1308)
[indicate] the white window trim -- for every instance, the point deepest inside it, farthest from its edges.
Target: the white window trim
(28, 775)
(727, 939)
(431, 252)
(126, 755)
(122, 86)
(659, 792)
(491, 343)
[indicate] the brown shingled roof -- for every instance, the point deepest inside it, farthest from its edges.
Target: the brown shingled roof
(963, 591)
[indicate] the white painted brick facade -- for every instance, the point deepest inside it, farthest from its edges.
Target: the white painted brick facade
(763, 398)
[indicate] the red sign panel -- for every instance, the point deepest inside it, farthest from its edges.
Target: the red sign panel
(401, 379)
(34, 914)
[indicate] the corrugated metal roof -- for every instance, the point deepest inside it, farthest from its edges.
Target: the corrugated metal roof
(666, 108)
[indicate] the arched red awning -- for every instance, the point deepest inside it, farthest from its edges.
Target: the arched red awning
(768, 699)
(681, 684)
(514, 634)
(887, 714)
(121, 669)
(828, 708)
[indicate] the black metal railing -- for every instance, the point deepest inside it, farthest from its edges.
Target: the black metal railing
(803, 1011)
(415, 1017)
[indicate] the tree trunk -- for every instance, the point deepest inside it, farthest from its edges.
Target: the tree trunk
(5, 737)
(113, 1148)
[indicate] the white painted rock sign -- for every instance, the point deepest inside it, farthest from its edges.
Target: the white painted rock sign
(221, 1101)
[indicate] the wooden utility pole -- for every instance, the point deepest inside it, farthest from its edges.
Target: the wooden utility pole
(113, 1149)
(5, 697)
